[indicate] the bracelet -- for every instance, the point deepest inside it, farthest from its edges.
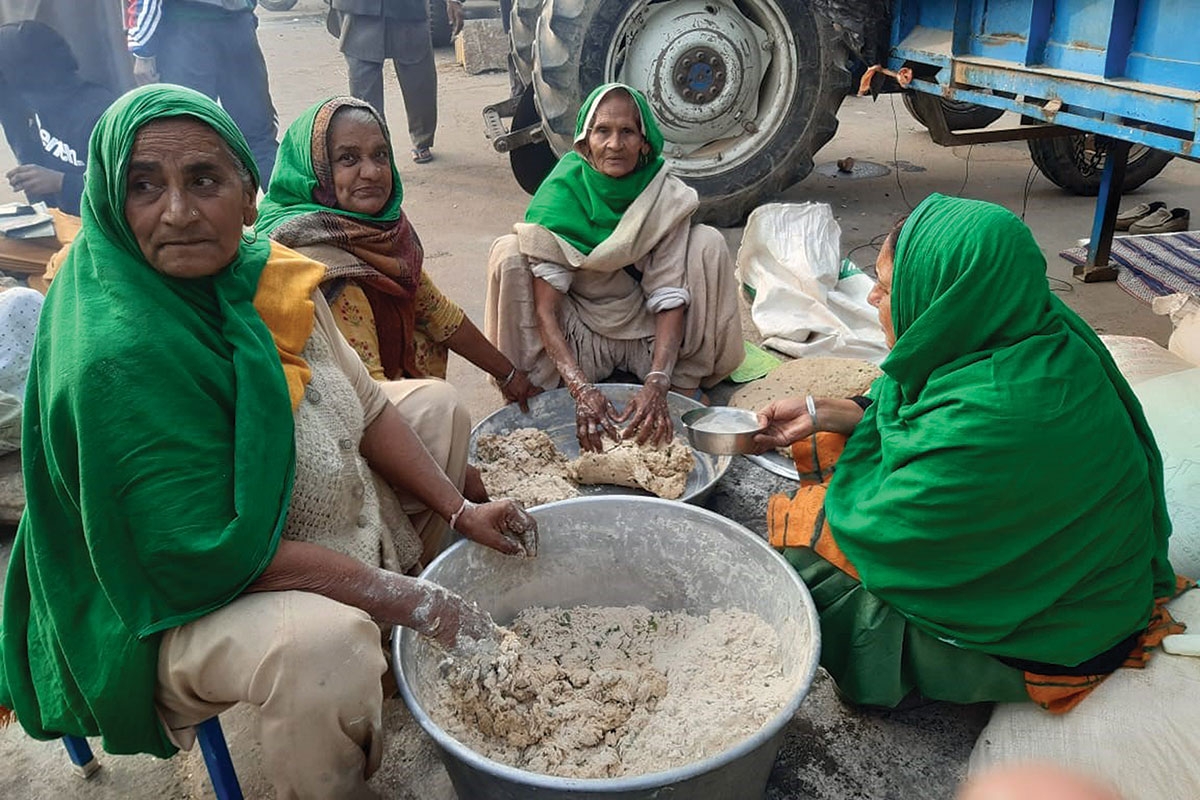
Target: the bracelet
(657, 372)
(454, 517)
(812, 411)
(508, 380)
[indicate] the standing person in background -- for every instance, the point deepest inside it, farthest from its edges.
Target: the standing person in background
(47, 111)
(92, 29)
(210, 46)
(370, 32)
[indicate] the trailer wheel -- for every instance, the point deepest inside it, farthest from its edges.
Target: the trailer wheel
(522, 29)
(1076, 163)
(744, 91)
(960, 116)
(439, 24)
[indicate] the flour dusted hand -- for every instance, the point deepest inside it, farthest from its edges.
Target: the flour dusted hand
(451, 620)
(648, 416)
(501, 525)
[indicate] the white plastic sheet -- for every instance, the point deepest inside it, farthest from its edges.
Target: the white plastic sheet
(803, 304)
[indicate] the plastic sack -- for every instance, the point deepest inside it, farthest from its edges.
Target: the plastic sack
(805, 304)
(1184, 311)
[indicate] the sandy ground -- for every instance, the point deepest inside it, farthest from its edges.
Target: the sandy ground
(465, 199)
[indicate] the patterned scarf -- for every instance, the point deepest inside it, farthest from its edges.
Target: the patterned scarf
(383, 254)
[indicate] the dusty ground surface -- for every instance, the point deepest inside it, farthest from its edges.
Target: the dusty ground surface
(466, 198)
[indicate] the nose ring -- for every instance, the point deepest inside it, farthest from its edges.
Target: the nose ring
(195, 213)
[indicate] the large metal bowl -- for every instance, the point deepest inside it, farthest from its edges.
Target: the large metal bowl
(554, 413)
(620, 551)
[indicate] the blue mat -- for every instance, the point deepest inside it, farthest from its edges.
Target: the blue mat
(1153, 265)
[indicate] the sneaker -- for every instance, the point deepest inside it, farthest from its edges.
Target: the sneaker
(1163, 221)
(1132, 215)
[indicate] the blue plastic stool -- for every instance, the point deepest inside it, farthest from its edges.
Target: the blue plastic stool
(212, 746)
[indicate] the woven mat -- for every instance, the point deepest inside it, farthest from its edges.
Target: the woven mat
(1153, 265)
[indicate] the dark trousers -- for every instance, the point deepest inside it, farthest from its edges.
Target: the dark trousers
(221, 58)
(418, 85)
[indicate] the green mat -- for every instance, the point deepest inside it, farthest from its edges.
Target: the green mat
(757, 364)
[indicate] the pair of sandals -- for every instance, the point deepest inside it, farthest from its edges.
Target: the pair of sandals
(421, 155)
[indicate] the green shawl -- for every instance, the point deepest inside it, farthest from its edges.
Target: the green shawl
(1004, 491)
(300, 183)
(581, 204)
(158, 457)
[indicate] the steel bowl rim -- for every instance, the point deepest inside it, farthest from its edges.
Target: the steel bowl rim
(649, 780)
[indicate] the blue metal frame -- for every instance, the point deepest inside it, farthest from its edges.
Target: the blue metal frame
(212, 746)
(1109, 67)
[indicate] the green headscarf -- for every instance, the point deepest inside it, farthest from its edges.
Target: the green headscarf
(158, 457)
(1004, 491)
(582, 204)
(302, 184)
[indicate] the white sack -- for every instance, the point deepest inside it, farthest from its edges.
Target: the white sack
(790, 257)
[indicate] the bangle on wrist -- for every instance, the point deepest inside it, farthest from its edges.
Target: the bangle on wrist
(812, 411)
(666, 377)
(454, 517)
(508, 379)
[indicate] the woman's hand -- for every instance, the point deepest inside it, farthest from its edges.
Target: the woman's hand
(501, 525)
(648, 415)
(594, 417)
(519, 389)
(788, 420)
(449, 619)
(785, 421)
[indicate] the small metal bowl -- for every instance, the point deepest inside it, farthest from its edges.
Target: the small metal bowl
(721, 430)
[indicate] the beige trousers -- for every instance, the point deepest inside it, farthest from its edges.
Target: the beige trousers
(311, 665)
(433, 409)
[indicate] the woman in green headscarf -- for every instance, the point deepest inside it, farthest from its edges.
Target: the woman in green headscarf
(335, 196)
(995, 528)
(212, 479)
(608, 273)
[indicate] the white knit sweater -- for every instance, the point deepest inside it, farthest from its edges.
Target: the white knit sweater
(337, 501)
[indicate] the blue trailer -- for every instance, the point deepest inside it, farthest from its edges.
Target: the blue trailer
(747, 91)
(1123, 75)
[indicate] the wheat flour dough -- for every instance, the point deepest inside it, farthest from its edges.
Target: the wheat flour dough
(662, 471)
(592, 692)
(523, 465)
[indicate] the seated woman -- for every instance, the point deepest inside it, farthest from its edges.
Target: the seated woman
(335, 197)
(995, 528)
(608, 272)
(210, 472)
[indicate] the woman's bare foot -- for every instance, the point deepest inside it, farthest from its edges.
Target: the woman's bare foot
(473, 488)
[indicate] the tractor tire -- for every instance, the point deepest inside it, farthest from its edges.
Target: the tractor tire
(1076, 163)
(439, 24)
(960, 116)
(277, 5)
(581, 44)
(522, 30)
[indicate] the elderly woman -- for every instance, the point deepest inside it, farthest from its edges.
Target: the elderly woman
(608, 272)
(213, 479)
(335, 197)
(995, 528)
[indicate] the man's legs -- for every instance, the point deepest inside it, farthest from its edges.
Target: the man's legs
(222, 59)
(311, 665)
(418, 84)
(366, 82)
(245, 92)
